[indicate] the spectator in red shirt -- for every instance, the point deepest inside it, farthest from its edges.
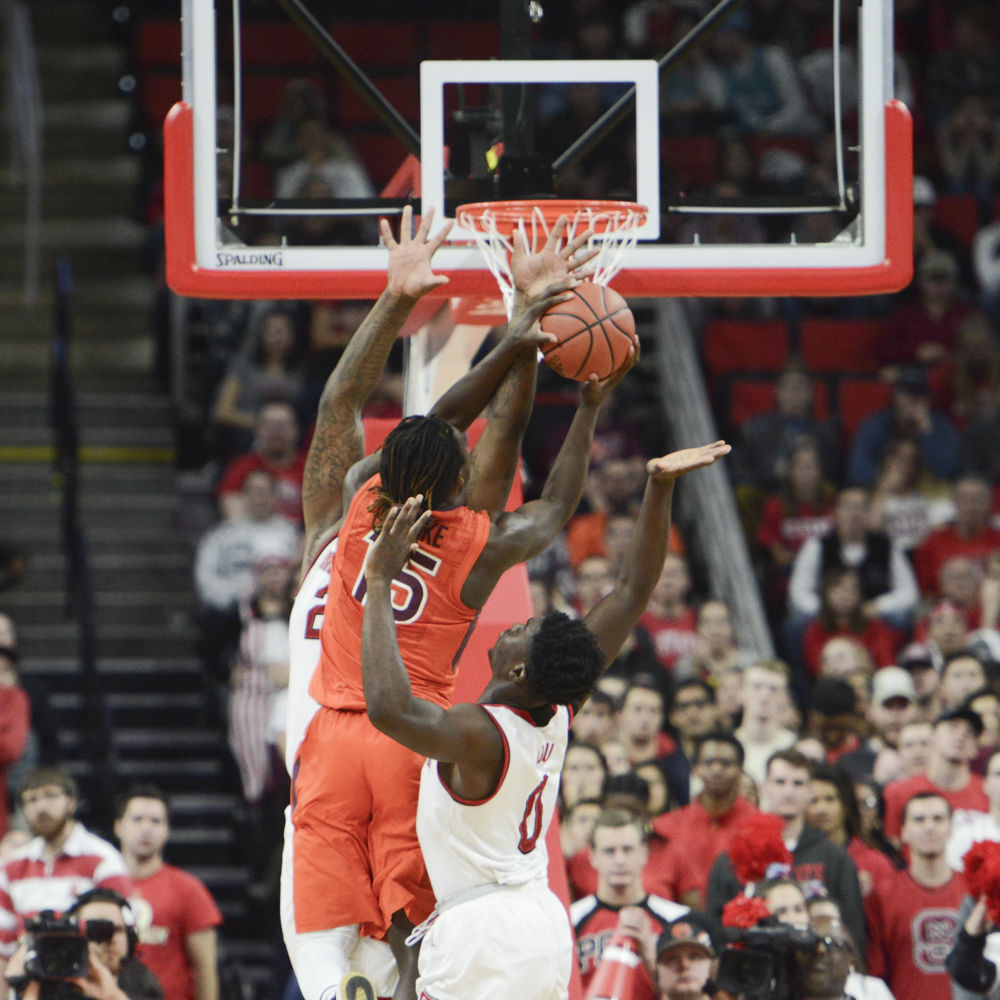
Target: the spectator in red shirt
(669, 618)
(698, 833)
(970, 534)
(176, 917)
(276, 450)
(15, 724)
(802, 509)
(913, 915)
(960, 580)
(841, 615)
(924, 328)
(954, 744)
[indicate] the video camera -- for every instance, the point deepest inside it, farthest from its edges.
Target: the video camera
(762, 964)
(56, 954)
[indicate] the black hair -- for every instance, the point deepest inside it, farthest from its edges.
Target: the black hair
(421, 455)
(718, 736)
(643, 682)
(693, 682)
(629, 783)
(599, 697)
(792, 758)
(961, 654)
(140, 792)
(833, 696)
(565, 660)
(844, 787)
(918, 796)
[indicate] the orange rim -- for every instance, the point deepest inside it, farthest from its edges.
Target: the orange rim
(507, 214)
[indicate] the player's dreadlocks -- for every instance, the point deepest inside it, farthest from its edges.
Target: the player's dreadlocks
(420, 455)
(565, 660)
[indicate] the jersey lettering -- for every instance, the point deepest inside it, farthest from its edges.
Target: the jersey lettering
(409, 588)
(533, 816)
(314, 620)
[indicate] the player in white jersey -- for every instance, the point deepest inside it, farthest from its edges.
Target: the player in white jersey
(488, 792)
(320, 959)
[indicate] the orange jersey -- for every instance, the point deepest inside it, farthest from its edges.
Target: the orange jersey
(432, 623)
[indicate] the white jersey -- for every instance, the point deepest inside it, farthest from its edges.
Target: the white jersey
(304, 625)
(500, 840)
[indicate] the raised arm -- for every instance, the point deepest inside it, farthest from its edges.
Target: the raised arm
(461, 733)
(535, 271)
(338, 441)
(518, 535)
(615, 615)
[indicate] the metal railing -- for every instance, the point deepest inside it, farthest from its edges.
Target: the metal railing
(25, 115)
(79, 583)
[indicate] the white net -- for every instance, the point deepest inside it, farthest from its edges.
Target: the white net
(615, 225)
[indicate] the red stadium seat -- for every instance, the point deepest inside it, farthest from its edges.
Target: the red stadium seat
(394, 43)
(858, 398)
(158, 44)
(748, 397)
(840, 345)
(275, 44)
(380, 153)
(464, 39)
(692, 160)
(158, 94)
(736, 345)
(959, 214)
(399, 91)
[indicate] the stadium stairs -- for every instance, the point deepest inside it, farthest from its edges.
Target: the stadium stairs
(159, 714)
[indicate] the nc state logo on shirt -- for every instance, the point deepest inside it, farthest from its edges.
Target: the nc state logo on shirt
(933, 932)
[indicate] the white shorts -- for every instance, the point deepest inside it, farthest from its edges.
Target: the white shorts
(510, 943)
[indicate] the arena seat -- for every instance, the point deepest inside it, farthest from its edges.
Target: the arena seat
(840, 345)
(750, 396)
(741, 345)
(692, 160)
(959, 214)
(858, 398)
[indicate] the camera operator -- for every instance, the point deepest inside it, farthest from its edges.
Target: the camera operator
(685, 952)
(105, 919)
(826, 963)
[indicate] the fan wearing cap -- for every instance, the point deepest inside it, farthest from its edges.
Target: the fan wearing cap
(909, 416)
(923, 328)
(892, 705)
(949, 772)
(685, 952)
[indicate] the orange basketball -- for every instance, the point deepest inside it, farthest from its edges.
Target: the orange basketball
(595, 328)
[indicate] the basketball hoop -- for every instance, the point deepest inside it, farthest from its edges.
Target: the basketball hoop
(493, 224)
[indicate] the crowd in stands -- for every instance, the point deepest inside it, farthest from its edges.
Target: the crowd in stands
(872, 738)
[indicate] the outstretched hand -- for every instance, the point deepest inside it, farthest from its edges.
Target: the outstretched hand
(533, 269)
(596, 391)
(397, 539)
(678, 463)
(410, 256)
(524, 328)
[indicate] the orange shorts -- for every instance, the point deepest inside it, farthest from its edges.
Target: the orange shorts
(354, 808)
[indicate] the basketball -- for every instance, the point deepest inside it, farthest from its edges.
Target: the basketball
(595, 328)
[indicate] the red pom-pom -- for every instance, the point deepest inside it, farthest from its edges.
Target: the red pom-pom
(982, 875)
(756, 846)
(744, 911)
